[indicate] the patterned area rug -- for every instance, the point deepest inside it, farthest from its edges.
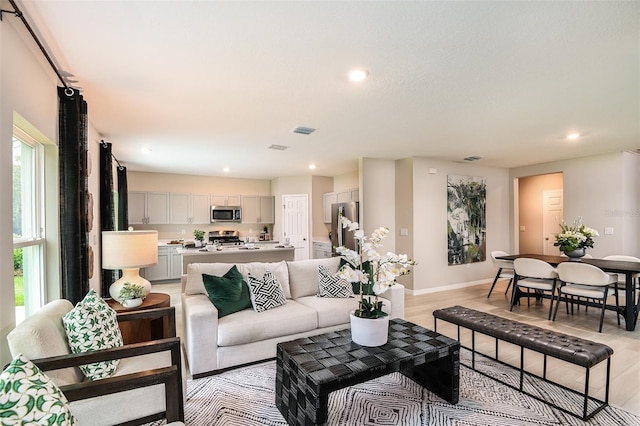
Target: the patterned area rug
(245, 396)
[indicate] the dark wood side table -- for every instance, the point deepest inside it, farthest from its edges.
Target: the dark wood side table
(145, 329)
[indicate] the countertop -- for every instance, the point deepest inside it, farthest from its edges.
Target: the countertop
(234, 249)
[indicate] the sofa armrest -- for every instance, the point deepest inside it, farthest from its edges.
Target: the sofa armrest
(395, 294)
(170, 377)
(200, 326)
(183, 282)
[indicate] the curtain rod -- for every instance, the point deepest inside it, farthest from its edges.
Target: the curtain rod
(18, 13)
(112, 156)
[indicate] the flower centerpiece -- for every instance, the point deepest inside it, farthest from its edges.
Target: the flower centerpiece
(574, 240)
(370, 269)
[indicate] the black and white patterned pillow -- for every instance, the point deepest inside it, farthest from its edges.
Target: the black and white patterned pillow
(330, 285)
(29, 397)
(92, 325)
(266, 293)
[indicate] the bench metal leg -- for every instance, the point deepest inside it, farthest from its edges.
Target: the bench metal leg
(521, 366)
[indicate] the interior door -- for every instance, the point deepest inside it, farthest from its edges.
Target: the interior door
(296, 223)
(552, 215)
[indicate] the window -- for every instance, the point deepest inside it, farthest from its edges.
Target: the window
(28, 224)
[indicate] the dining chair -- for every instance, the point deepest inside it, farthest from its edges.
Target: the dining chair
(505, 269)
(622, 284)
(583, 280)
(533, 274)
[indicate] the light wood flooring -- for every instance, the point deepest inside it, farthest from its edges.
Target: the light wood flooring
(625, 365)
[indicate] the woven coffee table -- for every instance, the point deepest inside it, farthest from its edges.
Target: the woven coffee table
(308, 369)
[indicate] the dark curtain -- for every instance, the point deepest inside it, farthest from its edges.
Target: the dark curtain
(123, 199)
(107, 210)
(74, 189)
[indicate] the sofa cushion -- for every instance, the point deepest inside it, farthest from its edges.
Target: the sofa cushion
(90, 326)
(195, 285)
(42, 335)
(27, 396)
(266, 292)
(331, 285)
(250, 326)
(228, 293)
(303, 275)
(335, 311)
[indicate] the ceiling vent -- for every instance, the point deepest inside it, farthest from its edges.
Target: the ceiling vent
(303, 130)
(472, 158)
(278, 147)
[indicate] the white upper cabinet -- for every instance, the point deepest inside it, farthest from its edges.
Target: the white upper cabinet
(337, 197)
(328, 199)
(200, 208)
(148, 207)
(225, 200)
(258, 209)
(189, 208)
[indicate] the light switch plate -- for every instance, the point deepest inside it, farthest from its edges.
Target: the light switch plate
(608, 230)
(523, 228)
(404, 231)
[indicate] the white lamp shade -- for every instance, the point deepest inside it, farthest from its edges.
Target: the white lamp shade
(129, 249)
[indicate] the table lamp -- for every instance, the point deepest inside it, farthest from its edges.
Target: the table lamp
(129, 251)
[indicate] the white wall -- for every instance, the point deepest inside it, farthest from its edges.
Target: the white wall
(378, 198)
(430, 223)
(602, 190)
(28, 88)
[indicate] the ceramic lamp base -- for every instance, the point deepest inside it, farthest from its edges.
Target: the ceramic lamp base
(131, 276)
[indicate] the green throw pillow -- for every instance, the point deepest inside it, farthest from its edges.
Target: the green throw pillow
(367, 289)
(92, 325)
(28, 397)
(229, 293)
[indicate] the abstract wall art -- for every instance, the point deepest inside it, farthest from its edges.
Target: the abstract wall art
(466, 219)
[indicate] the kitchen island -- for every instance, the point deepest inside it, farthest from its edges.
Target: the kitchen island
(234, 254)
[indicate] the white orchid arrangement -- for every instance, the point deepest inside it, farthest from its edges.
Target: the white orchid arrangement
(382, 269)
(575, 237)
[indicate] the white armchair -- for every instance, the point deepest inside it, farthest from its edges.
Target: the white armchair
(148, 384)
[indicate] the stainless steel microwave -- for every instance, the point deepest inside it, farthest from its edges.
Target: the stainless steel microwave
(226, 214)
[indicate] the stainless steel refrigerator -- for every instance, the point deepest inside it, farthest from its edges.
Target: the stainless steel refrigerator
(340, 236)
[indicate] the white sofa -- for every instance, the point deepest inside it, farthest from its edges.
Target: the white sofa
(247, 336)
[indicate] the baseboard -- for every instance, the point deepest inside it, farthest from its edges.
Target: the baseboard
(445, 287)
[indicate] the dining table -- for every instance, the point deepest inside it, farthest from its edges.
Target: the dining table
(628, 269)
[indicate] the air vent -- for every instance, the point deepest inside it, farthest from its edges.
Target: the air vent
(472, 158)
(278, 147)
(303, 130)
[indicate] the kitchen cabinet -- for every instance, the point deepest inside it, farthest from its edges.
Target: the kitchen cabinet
(169, 265)
(337, 197)
(321, 249)
(225, 200)
(258, 209)
(148, 207)
(189, 208)
(328, 199)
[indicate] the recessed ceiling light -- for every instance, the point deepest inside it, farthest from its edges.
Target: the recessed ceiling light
(312, 166)
(573, 136)
(358, 75)
(226, 170)
(146, 150)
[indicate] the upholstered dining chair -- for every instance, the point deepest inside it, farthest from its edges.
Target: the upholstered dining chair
(533, 274)
(621, 284)
(583, 280)
(505, 269)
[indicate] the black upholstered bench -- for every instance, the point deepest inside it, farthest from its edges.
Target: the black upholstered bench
(574, 350)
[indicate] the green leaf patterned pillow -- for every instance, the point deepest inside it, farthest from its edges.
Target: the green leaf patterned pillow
(90, 326)
(28, 397)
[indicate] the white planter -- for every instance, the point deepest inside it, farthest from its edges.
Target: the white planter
(131, 303)
(369, 332)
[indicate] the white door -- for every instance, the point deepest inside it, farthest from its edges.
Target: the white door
(296, 223)
(552, 215)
